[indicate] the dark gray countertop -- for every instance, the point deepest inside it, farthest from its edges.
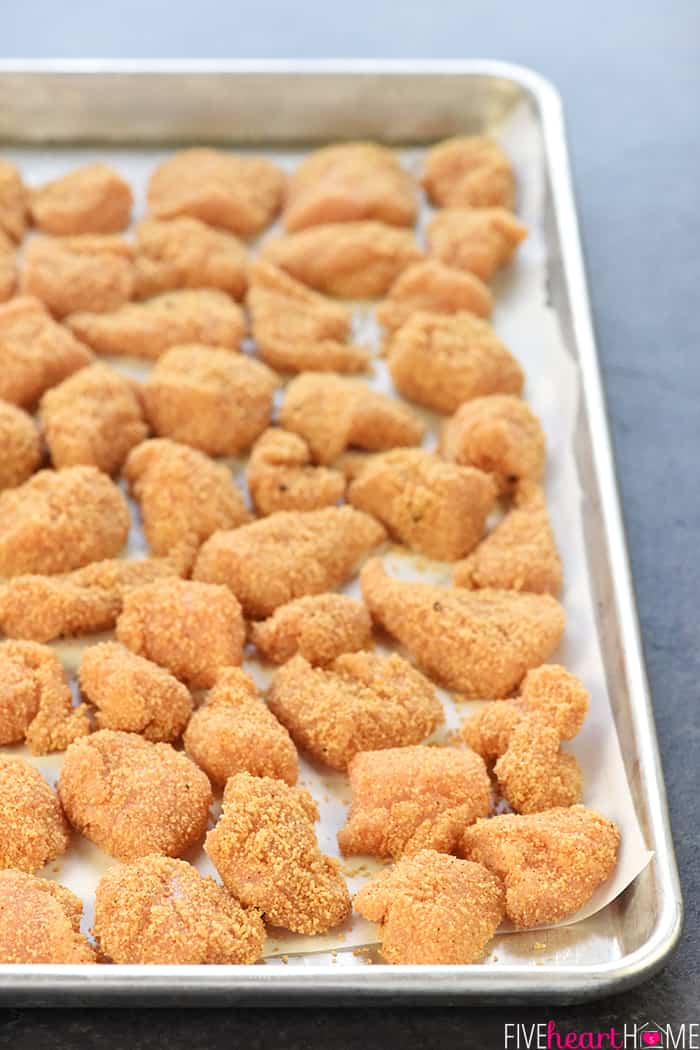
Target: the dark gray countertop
(629, 74)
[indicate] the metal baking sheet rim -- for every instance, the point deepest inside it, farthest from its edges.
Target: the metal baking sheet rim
(51, 985)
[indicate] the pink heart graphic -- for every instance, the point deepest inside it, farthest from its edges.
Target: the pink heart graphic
(651, 1038)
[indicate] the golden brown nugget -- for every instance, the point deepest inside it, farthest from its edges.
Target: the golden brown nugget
(36, 352)
(471, 170)
(333, 412)
(242, 194)
(91, 199)
(191, 629)
(131, 797)
(281, 476)
(287, 555)
(40, 922)
(34, 829)
(436, 511)
(319, 627)
(186, 253)
(8, 267)
(94, 417)
(409, 798)
(133, 694)
(162, 911)
(360, 702)
(477, 241)
(60, 520)
(480, 643)
(433, 287)
(351, 260)
(534, 774)
(441, 361)
(234, 732)
(21, 448)
(350, 182)
(150, 328)
(13, 202)
(433, 908)
(264, 847)
(69, 274)
(212, 400)
(550, 863)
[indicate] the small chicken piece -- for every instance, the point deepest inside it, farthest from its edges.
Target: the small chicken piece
(212, 400)
(8, 267)
(550, 863)
(162, 911)
(534, 774)
(479, 643)
(360, 702)
(40, 922)
(94, 417)
(69, 274)
(319, 627)
(436, 511)
(351, 260)
(186, 253)
(287, 555)
(191, 629)
(433, 909)
(477, 241)
(13, 202)
(21, 448)
(34, 829)
(241, 194)
(234, 732)
(440, 361)
(36, 352)
(405, 799)
(150, 328)
(333, 412)
(60, 520)
(131, 797)
(91, 199)
(281, 476)
(469, 171)
(264, 847)
(432, 287)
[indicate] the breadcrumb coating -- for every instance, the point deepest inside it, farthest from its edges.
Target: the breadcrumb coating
(21, 448)
(8, 267)
(40, 922)
(91, 199)
(162, 911)
(319, 627)
(433, 908)
(132, 797)
(34, 830)
(264, 847)
(470, 170)
(432, 287)
(186, 253)
(477, 241)
(69, 274)
(281, 476)
(533, 773)
(13, 201)
(360, 702)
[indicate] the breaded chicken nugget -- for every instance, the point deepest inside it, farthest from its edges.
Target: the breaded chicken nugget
(436, 511)
(94, 417)
(133, 694)
(480, 643)
(352, 260)
(192, 629)
(8, 267)
(332, 412)
(186, 253)
(209, 399)
(440, 361)
(264, 847)
(34, 830)
(550, 863)
(60, 520)
(150, 328)
(13, 201)
(319, 627)
(234, 732)
(159, 910)
(91, 199)
(287, 555)
(40, 922)
(533, 773)
(469, 170)
(69, 274)
(361, 702)
(296, 329)
(281, 476)
(21, 448)
(131, 797)
(36, 352)
(433, 908)
(409, 798)
(242, 194)
(477, 241)
(433, 287)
